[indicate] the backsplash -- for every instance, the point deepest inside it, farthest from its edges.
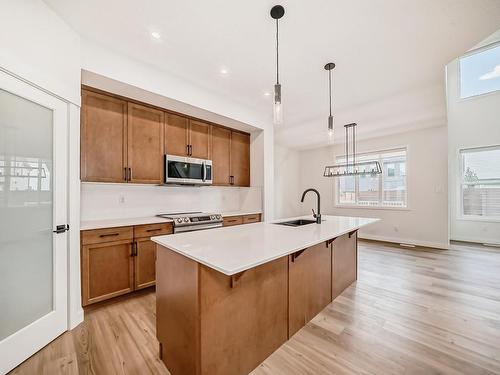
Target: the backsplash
(112, 201)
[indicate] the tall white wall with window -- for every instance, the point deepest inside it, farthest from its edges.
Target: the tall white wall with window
(410, 197)
(473, 84)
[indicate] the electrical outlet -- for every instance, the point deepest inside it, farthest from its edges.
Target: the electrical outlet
(121, 199)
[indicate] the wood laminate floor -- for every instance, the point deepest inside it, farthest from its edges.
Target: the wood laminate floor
(412, 311)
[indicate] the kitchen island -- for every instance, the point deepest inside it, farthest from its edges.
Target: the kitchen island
(227, 298)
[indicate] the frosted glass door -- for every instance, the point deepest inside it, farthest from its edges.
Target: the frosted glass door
(33, 128)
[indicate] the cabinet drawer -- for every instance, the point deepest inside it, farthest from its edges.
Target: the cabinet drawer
(233, 220)
(251, 219)
(150, 230)
(107, 235)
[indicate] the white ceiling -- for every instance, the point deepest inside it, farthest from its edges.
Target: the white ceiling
(390, 54)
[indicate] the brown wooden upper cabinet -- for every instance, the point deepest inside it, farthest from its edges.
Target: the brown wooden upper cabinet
(230, 157)
(125, 141)
(185, 137)
(120, 141)
(145, 144)
(103, 138)
(240, 159)
(221, 156)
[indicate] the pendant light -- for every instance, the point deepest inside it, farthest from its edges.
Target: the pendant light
(329, 67)
(277, 12)
(351, 167)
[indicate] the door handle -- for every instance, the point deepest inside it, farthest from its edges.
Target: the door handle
(204, 171)
(61, 228)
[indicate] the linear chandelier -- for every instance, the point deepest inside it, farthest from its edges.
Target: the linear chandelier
(351, 167)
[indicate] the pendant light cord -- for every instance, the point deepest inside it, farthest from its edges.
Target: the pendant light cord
(277, 54)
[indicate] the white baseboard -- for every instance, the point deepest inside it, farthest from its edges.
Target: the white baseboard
(476, 240)
(435, 245)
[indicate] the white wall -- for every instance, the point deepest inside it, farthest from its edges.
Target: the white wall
(472, 122)
(287, 184)
(39, 47)
(111, 201)
(425, 222)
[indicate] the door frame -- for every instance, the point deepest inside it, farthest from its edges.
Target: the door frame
(22, 344)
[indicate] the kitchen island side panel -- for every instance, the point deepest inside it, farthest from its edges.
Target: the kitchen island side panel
(177, 311)
(344, 262)
(244, 318)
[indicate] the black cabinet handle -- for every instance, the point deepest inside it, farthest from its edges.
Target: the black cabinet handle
(134, 249)
(125, 174)
(130, 174)
(187, 150)
(109, 235)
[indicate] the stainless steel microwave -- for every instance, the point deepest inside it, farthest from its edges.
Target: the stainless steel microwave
(187, 171)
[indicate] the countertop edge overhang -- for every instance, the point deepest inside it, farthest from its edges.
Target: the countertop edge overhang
(231, 250)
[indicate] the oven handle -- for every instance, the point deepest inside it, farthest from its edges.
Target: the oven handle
(191, 228)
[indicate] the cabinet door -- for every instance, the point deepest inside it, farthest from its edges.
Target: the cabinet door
(144, 263)
(103, 138)
(221, 153)
(240, 159)
(344, 262)
(176, 135)
(145, 144)
(309, 281)
(199, 139)
(107, 270)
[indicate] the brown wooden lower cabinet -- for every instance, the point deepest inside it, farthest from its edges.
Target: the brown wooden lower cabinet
(107, 270)
(229, 221)
(344, 262)
(309, 285)
(210, 323)
(144, 263)
(116, 261)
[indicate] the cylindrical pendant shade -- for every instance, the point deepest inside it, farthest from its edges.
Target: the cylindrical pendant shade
(278, 105)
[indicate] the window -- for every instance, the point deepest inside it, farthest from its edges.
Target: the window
(480, 182)
(383, 190)
(480, 72)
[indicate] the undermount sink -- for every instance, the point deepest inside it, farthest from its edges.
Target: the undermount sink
(297, 223)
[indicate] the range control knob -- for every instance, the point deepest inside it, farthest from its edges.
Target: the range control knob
(218, 217)
(179, 220)
(186, 220)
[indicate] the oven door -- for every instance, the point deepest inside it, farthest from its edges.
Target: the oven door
(183, 170)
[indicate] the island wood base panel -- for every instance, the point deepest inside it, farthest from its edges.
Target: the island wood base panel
(211, 323)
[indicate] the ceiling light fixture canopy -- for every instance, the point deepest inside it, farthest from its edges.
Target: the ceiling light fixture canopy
(351, 167)
(329, 67)
(277, 12)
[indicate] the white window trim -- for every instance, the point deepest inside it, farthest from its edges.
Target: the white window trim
(459, 75)
(459, 191)
(336, 203)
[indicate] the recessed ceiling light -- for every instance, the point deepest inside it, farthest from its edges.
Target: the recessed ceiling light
(267, 93)
(223, 71)
(156, 35)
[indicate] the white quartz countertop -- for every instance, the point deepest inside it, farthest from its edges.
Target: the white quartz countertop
(125, 222)
(231, 250)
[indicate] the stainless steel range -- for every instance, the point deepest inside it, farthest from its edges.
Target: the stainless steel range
(191, 221)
